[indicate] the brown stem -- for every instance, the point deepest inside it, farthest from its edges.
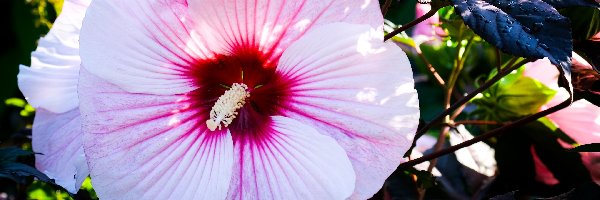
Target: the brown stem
(462, 101)
(440, 81)
(490, 134)
(448, 90)
(498, 59)
(385, 7)
(458, 111)
(478, 122)
(411, 24)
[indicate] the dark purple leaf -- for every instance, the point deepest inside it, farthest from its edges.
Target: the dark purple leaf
(11, 153)
(527, 28)
(570, 3)
(15, 171)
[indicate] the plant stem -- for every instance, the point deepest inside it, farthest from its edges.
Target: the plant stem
(385, 7)
(490, 134)
(411, 24)
(498, 59)
(448, 90)
(477, 122)
(439, 80)
(464, 100)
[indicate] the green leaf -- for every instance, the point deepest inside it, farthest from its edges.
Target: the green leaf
(87, 186)
(453, 24)
(592, 147)
(513, 96)
(43, 190)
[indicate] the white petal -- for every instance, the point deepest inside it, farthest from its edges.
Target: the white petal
(274, 25)
(142, 146)
(297, 162)
(479, 156)
(51, 81)
(358, 90)
(142, 46)
(58, 140)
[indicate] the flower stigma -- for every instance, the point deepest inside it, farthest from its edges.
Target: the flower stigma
(226, 107)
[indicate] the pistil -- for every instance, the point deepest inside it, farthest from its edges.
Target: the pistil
(227, 106)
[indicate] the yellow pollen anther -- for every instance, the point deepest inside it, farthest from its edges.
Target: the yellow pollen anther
(225, 109)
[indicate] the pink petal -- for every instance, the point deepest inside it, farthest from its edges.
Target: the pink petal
(143, 146)
(357, 90)
(297, 162)
(542, 173)
(428, 29)
(581, 120)
(57, 137)
(591, 160)
(274, 25)
(142, 46)
(51, 81)
(543, 71)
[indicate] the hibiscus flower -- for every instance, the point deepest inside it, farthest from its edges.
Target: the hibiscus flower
(581, 120)
(50, 85)
(242, 99)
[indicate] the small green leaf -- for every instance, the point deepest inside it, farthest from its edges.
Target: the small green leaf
(592, 147)
(43, 190)
(87, 186)
(513, 96)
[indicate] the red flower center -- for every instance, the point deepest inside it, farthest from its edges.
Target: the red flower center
(268, 90)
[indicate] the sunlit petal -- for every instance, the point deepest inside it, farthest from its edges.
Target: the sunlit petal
(146, 49)
(51, 81)
(150, 146)
(274, 25)
(357, 90)
(58, 140)
(297, 162)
